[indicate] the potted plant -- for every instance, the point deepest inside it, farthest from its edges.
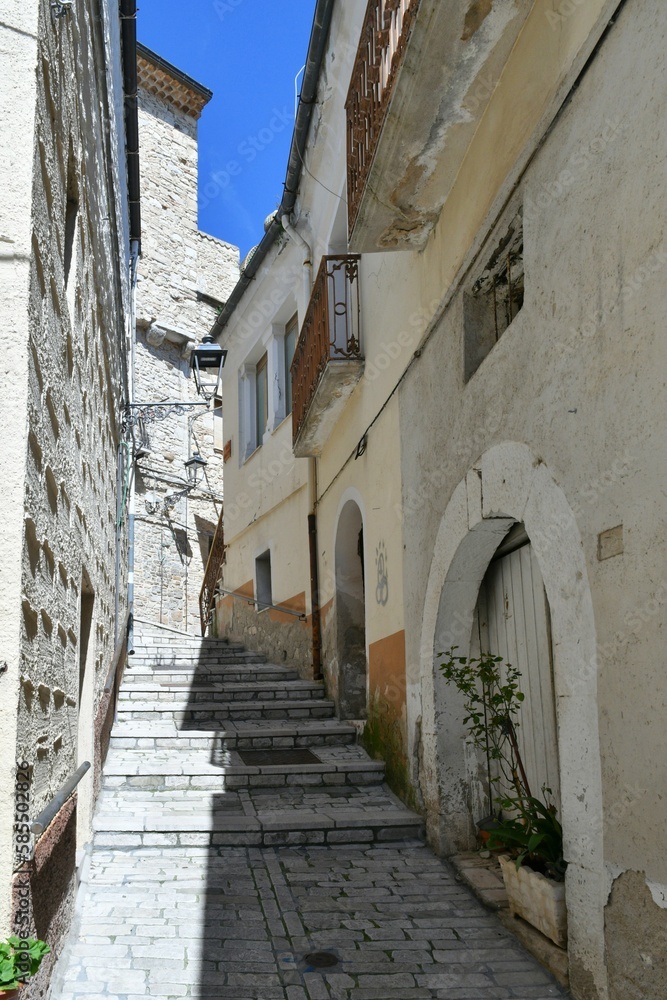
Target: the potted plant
(525, 826)
(534, 869)
(19, 960)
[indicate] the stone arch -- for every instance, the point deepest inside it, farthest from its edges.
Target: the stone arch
(350, 609)
(506, 486)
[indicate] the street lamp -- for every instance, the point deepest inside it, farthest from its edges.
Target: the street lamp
(207, 361)
(195, 466)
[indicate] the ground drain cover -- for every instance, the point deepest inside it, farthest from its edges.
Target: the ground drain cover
(275, 758)
(321, 960)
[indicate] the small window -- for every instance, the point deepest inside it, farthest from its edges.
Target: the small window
(261, 399)
(495, 298)
(291, 334)
(263, 593)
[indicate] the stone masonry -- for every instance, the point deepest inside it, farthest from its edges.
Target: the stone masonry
(184, 277)
(214, 876)
(66, 307)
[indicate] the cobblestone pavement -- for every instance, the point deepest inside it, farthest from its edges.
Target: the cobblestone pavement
(214, 878)
(238, 923)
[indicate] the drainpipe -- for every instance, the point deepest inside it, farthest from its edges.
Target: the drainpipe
(132, 444)
(315, 589)
(308, 256)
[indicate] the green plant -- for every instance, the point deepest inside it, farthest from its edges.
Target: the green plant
(532, 835)
(19, 959)
(492, 703)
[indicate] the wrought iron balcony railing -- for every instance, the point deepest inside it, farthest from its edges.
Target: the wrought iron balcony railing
(383, 39)
(329, 334)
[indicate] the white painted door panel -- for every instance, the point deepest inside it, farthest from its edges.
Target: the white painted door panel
(514, 624)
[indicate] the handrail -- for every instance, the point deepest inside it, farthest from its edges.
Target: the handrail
(48, 814)
(118, 652)
(301, 615)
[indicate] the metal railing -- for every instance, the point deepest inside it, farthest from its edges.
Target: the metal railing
(125, 644)
(216, 557)
(263, 606)
(330, 330)
(47, 815)
(383, 39)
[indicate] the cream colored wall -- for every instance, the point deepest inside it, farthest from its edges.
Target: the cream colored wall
(374, 483)
(284, 532)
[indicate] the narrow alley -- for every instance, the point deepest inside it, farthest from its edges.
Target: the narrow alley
(246, 848)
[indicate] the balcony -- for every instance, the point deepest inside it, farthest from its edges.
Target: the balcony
(423, 76)
(383, 39)
(327, 361)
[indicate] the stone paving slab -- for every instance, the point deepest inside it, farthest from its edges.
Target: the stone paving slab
(238, 923)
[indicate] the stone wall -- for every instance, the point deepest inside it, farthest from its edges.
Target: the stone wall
(70, 335)
(179, 265)
(282, 638)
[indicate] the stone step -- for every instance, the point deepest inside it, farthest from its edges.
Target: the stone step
(291, 827)
(223, 770)
(186, 694)
(315, 708)
(166, 658)
(222, 673)
(235, 735)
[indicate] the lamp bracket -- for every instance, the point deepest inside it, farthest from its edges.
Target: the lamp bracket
(60, 8)
(150, 412)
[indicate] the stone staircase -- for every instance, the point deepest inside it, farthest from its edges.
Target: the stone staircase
(214, 747)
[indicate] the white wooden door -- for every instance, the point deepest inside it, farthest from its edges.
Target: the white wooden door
(513, 617)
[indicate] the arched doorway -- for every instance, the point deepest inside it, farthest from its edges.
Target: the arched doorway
(351, 613)
(509, 485)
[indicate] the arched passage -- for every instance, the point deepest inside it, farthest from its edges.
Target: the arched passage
(351, 613)
(509, 485)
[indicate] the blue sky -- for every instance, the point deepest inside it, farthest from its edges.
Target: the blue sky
(248, 53)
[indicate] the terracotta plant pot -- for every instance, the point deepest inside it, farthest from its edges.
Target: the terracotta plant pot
(5, 995)
(539, 900)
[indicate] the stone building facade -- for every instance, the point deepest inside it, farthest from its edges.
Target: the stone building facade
(184, 278)
(65, 330)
